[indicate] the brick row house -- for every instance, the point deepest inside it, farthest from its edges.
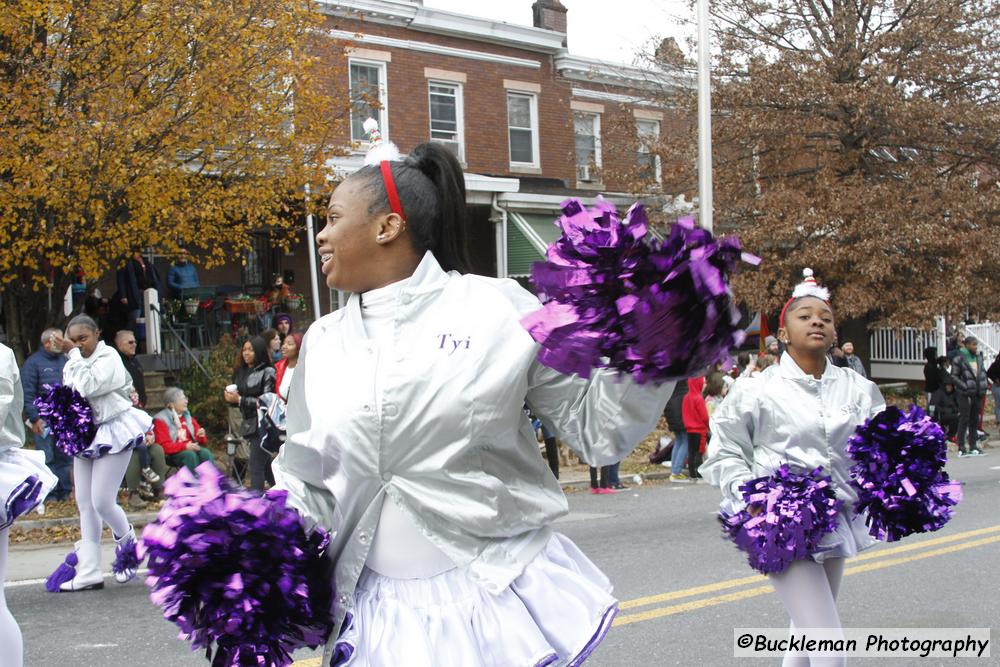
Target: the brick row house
(531, 123)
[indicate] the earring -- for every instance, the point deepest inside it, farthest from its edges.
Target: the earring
(380, 237)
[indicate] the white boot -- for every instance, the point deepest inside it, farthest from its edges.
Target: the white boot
(88, 568)
(126, 559)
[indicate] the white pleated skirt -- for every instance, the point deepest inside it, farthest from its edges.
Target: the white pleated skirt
(119, 434)
(553, 615)
(25, 480)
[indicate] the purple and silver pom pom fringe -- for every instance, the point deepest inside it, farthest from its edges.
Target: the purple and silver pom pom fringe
(126, 558)
(238, 570)
(797, 511)
(65, 572)
(657, 311)
(70, 417)
(898, 474)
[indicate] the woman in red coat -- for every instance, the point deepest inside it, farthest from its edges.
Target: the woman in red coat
(695, 415)
(184, 442)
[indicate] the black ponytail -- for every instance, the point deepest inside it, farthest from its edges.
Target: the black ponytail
(431, 188)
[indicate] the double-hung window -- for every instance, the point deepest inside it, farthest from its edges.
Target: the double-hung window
(648, 132)
(446, 114)
(587, 133)
(522, 129)
(368, 97)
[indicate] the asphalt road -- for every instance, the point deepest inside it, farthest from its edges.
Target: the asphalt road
(683, 588)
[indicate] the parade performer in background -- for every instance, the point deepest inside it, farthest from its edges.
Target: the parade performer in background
(95, 372)
(406, 435)
(24, 483)
(799, 414)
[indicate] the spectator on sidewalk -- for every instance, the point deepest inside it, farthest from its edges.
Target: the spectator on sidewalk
(695, 414)
(602, 485)
(993, 375)
(932, 374)
(853, 362)
(944, 407)
(133, 280)
(140, 490)
(675, 422)
(125, 343)
(284, 325)
(184, 441)
(45, 367)
(182, 275)
(969, 371)
(771, 346)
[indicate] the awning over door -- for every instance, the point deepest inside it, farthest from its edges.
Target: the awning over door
(528, 237)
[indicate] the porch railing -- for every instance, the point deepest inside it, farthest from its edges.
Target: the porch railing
(902, 346)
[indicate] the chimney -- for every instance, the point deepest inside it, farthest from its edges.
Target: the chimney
(550, 15)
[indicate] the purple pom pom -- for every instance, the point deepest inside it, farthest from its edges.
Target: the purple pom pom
(797, 511)
(656, 311)
(126, 558)
(238, 569)
(898, 474)
(65, 572)
(70, 417)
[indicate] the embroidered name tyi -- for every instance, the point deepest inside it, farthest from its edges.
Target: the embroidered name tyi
(450, 343)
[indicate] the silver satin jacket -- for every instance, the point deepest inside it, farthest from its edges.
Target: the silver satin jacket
(11, 401)
(102, 379)
(451, 445)
(787, 416)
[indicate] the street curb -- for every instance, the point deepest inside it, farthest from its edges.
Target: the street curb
(137, 520)
(584, 483)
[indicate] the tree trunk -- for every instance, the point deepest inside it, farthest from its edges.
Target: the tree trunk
(27, 314)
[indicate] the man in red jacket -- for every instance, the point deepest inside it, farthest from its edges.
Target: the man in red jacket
(695, 415)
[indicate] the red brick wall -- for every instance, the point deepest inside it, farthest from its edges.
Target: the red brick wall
(485, 100)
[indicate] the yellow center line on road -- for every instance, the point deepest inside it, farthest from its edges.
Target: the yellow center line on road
(761, 590)
(882, 559)
(755, 579)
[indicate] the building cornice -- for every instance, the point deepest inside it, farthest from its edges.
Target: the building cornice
(429, 47)
(591, 70)
(437, 21)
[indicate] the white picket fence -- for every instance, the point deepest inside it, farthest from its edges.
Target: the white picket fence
(899, 353)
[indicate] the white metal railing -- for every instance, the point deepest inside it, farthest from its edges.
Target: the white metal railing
(988, 334)
(902, 346)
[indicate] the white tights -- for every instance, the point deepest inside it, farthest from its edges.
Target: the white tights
(10, 634)
(808, 590)
(97, 483)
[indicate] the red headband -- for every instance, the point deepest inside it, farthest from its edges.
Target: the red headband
(781, 318)
(390, 188)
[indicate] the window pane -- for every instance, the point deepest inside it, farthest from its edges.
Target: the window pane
(583, 124)
(364, 92)
(521, 149)
(519, 111)
(585, 152)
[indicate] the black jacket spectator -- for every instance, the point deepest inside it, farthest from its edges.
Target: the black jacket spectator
(945, 403)
(675, 420)
(993, 373)
(932, 372)
(969, 382)
(134, 278)
(134, 369)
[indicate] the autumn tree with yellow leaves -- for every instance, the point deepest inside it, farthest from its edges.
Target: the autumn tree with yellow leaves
(860, 138)
(164, 123)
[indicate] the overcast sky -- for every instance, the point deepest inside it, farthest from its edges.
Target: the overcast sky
(607, 29)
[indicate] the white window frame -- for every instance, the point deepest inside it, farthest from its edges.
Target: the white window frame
(533, 108)
(459, 113)
(596, 118)
(656, 135)
(383, 97)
